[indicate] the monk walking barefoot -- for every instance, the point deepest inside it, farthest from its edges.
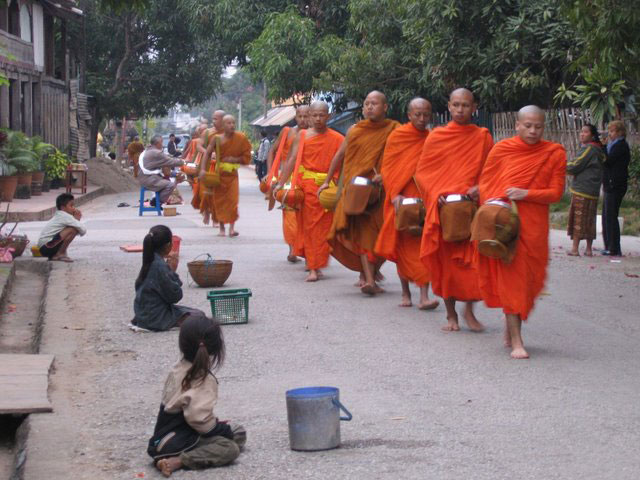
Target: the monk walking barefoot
(353, 236)
(449, 169)
(401, 243)
(529, 172)
(309, 160)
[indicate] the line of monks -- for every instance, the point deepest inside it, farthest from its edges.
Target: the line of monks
(410, 162)
(217, 150)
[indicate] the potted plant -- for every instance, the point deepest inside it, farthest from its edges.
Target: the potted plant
(55, 167)
(42, 150)
(8, 179)
(20, 159)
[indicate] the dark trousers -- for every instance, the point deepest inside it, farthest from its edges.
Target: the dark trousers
(610, 226)
(261, 170)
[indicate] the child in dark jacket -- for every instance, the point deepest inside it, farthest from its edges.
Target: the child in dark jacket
(187, 432)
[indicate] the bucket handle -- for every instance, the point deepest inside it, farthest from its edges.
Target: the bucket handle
(337, 403)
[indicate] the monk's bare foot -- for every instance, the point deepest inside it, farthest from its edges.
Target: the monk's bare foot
(380, 277)
(378, 289)
(360, 283)
(406, 301)
(222, 234)
(368, 289)
(312, 277)
(320, 274)
(429, 305)
(519, 353)
(292, 258)
(572, 253)
(169, 465)
(234, 234)
(472, 322)
(452, 325)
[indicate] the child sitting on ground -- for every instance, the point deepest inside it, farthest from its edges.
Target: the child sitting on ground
(158, 287)
(187, 432)
(60, 231)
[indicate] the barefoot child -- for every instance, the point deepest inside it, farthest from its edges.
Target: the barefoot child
(187, 432)
(60, 231)
(158, 287)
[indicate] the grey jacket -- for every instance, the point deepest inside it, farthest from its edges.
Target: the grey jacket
(155, 301)
(586, 169)
(154, 159)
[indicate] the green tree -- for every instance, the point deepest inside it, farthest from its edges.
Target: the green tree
(142, 62)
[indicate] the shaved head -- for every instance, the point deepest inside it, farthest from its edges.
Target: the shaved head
(302, 116)
(228, 124)
(375, 106)
(464, 92)
(217, 117)
(319, 105)
(530, 110)
(530, 124)
(462, 106)
(419, 113)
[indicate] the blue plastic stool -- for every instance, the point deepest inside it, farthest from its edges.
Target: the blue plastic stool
(143, 209)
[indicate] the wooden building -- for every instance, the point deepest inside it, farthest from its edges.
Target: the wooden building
(39, 99)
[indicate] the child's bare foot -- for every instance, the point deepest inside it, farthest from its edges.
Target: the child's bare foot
(452, 325)
(169, 465)
(428, 305)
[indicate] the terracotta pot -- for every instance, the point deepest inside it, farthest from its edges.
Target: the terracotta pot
(38, 177)
(46, 185)
(25, 178)
(8, 187)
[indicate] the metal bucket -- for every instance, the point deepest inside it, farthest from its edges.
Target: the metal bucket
(314, 418)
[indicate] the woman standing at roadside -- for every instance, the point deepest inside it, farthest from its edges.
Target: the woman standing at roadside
(586, 169)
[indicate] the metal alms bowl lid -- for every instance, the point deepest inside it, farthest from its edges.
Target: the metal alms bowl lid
(363, 181)
(411, 201)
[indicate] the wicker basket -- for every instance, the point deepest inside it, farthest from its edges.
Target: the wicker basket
(17, 242)
(210, 272)
(211, 179)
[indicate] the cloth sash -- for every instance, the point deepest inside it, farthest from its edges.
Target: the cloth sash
(228, 167)
(144, 170)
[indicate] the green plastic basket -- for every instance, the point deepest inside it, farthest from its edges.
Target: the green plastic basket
(230, 307)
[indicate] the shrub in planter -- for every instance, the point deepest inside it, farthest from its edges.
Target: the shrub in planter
(55, 166)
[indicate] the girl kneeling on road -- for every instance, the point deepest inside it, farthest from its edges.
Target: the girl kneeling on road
(187, 432)
(158, 286)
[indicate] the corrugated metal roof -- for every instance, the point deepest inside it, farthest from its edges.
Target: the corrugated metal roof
(276, 117)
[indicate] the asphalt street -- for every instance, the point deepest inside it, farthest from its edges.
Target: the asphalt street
(425, 404)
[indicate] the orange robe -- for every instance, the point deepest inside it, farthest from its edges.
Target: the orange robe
(540, 169)
(196, 157)
(314, 221)
(352, 235)
(226, 195)
(203, 198)
(289, 215)
(401, 155)
(451, 162)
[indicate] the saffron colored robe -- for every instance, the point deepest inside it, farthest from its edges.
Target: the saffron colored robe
(540, 169)
(289, 215)
(226, 195)
(203, 198)
(401, 155)
(314, 221)
(451, 161)
(352, 235)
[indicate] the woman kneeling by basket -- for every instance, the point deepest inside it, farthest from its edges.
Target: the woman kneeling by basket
(158, 287)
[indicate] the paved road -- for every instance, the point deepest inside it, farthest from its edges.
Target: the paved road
(425, 404)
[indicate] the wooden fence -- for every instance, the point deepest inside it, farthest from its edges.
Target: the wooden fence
(562, 126)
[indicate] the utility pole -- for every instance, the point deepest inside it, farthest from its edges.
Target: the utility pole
(240, 113)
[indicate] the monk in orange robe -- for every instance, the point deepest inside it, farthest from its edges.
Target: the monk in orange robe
(314, 148)
(134, 149)
(451, 162)
(194, 154)
(353, 237)
(235, 150)
(530, 172)
(208, 161)
(401, 156)
(289, 215)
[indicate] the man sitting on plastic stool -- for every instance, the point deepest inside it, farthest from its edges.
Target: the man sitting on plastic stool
(151, 163)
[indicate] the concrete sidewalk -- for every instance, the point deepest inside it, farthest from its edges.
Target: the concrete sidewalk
(425, 404)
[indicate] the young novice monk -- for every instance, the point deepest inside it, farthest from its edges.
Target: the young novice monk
(187, 432)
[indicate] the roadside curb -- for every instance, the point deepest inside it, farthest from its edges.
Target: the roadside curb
(47, 213)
